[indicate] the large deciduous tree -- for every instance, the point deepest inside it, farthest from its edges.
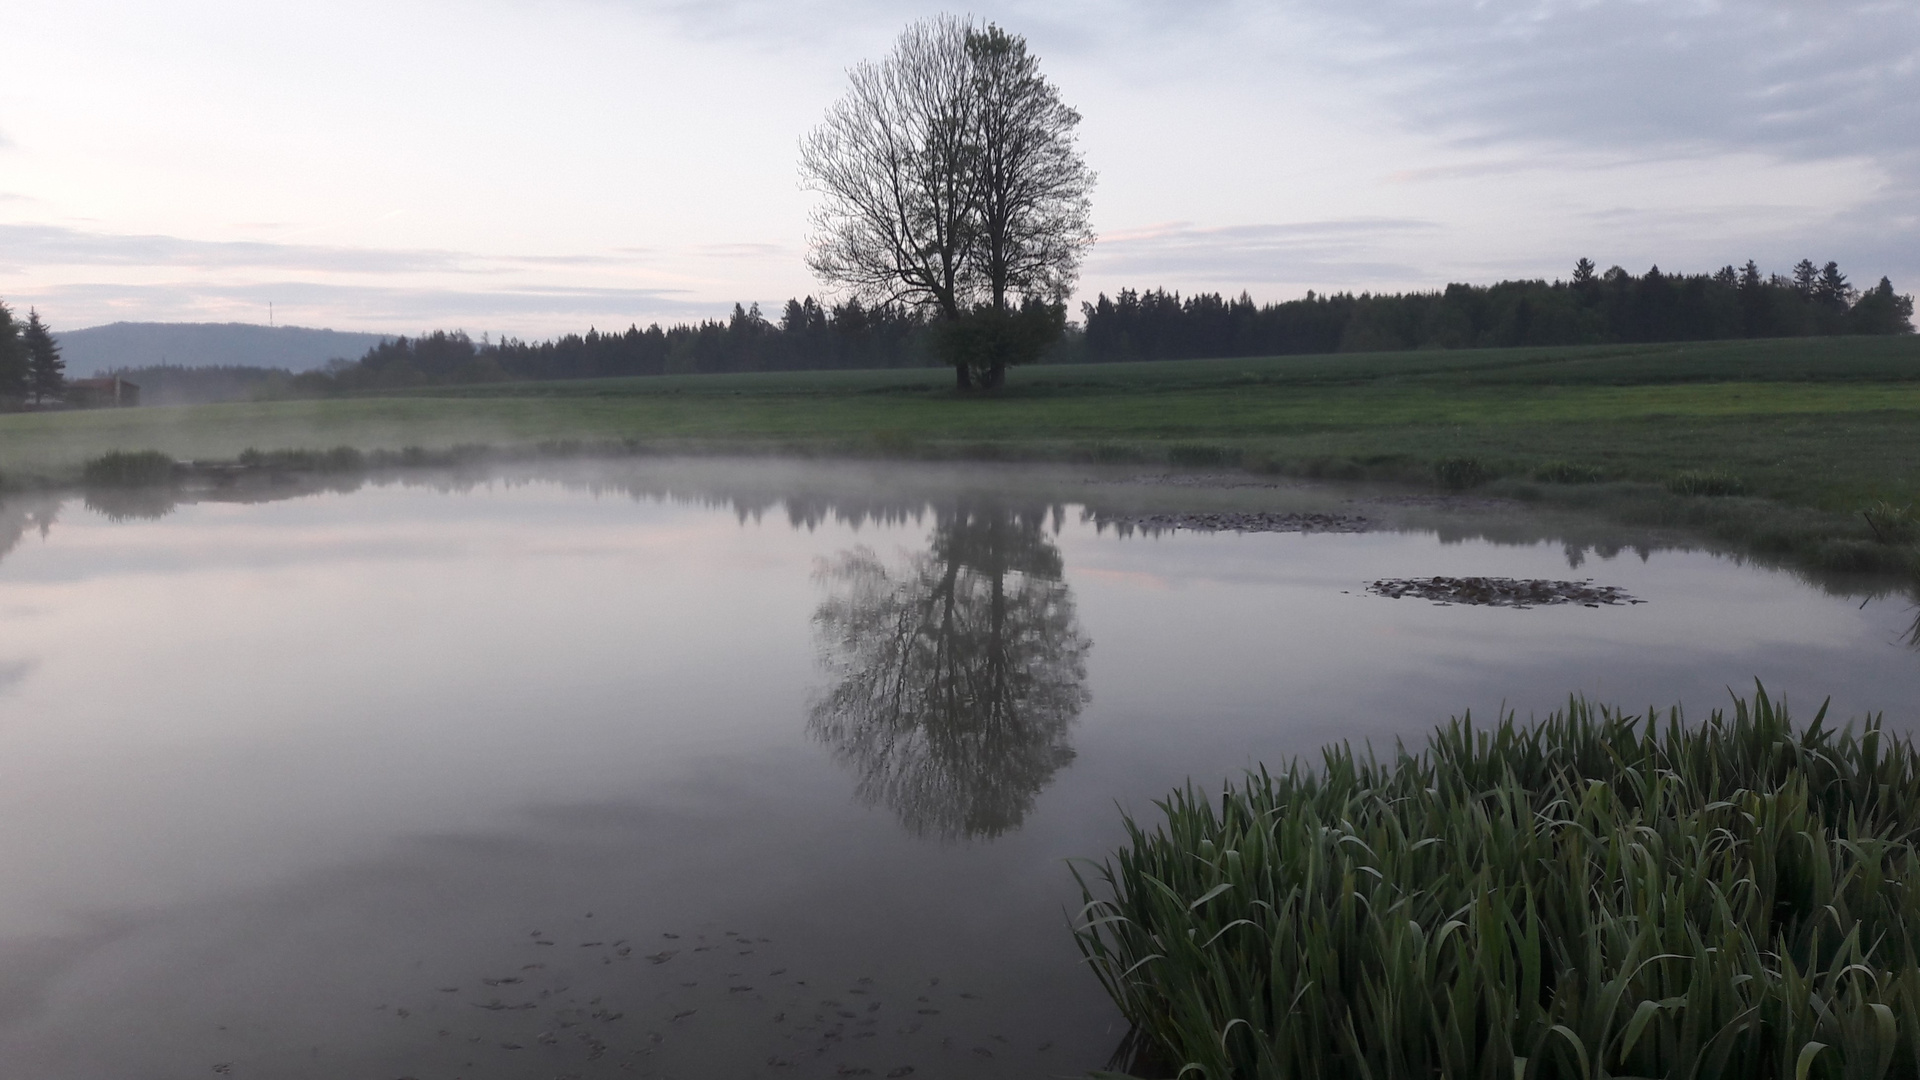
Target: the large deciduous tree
(950, 180)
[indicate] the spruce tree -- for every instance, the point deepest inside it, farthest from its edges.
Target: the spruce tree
(13, 359)
(46, 372)
(1832, 286)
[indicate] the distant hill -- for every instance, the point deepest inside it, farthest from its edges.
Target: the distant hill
(130, 345)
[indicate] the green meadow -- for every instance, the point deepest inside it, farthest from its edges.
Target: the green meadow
(1819, 428)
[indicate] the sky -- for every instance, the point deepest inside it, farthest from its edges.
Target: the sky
(533, 167)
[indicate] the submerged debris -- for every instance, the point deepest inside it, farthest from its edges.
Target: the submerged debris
(1502, 592)
(1240, 521)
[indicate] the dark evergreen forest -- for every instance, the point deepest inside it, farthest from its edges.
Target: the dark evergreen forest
(807, 337)
(1590, 308)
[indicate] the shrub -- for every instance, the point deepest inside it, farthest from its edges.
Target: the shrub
(124, 469)
(1705, 483)
(1460, 473)
(1593, 896)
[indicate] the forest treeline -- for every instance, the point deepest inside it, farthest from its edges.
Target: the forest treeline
(30, 364)
(808, 336)
(1590, 308)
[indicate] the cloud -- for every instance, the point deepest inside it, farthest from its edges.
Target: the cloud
(1786, 76)
(1075, 27)
(53, 245)
(525, 309)
(745, 251)
(1791, 78)
(1337, 252)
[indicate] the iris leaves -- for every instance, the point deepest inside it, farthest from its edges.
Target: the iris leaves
(1597, 895)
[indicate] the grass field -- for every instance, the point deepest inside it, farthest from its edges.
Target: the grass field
(1827, 426)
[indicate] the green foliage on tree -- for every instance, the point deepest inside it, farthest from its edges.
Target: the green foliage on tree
(46, 372)
(950, 182)
(991, 338)
(1614, 307)
(13, 358)
(1881, 311)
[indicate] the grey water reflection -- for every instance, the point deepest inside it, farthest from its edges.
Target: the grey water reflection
(957, 677)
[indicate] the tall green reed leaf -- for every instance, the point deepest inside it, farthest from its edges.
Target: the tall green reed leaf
(1597, 895)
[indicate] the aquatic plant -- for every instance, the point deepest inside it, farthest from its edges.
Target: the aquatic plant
(1566, 472)
(1202, 455)
(1460, 473)
(122, 468)
(338, 459)
(1891, 523)
(1597, 895)
(1705, 483)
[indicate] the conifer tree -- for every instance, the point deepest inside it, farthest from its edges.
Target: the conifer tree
(46, 372)
(1832, 286)
(13, 358)
(1880, 310)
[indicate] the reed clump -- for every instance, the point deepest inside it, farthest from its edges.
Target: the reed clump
(1598, 895)
(1567, 472)
(338, 459)
(1461, 473)
(128, 469)
(1892, 523)
(1713, 484)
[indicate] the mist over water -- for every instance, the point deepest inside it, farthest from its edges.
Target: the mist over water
(725, 768)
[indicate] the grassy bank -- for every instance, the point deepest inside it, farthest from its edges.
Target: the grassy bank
(1592, 896)
(1804, 434)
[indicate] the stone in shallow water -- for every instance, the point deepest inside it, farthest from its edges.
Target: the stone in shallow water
(1502, 592)
(1242, 521)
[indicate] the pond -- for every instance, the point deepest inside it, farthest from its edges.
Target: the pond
(733, 768)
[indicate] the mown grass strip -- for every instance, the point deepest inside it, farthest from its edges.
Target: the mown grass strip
(1597, 895)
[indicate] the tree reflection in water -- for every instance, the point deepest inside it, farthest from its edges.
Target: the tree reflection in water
(956, 677)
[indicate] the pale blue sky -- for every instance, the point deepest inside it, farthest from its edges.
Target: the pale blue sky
(534, 166)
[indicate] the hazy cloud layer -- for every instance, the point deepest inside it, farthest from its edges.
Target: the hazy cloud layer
(1334, 252)
(52, 245)
(381, 308)
(1840, 77)
(644, 157)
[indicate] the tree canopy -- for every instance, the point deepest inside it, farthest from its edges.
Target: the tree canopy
(46, 372)
(949, 180)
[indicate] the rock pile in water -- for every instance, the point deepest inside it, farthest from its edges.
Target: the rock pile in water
(1502, 592)
(1245, 522)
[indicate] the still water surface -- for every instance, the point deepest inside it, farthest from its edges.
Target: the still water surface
(719, 769)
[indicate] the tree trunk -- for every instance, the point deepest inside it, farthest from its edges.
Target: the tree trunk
(995, 377)
(963, 376)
